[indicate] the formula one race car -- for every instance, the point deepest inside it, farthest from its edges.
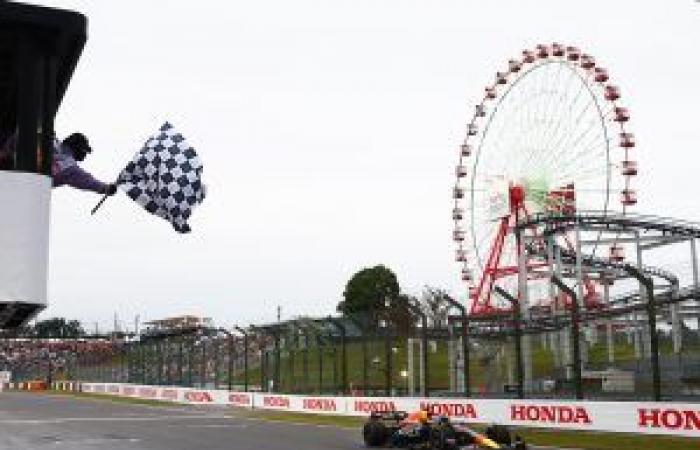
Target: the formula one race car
(421, 431)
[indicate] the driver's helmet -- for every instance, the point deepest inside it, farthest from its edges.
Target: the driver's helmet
(423, 416)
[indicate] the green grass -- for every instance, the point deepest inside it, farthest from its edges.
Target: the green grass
(109, 398)
(311, 419)
(624, 352)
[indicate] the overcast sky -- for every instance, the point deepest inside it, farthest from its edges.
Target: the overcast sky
(329, 132)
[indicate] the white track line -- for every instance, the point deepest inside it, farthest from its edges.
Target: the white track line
(109, 419)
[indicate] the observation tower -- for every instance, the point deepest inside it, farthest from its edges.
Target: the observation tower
(39, 50)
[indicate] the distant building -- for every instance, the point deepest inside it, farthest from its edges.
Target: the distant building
(178, 323)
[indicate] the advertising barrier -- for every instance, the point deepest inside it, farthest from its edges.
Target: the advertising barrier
(680, 419)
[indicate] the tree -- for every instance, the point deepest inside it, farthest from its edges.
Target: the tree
(434, 304)
(58, 327)
(367, 291)
(399, 314)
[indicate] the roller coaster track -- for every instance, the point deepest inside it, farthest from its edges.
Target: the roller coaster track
(613, 221)
(605, 265)
(625, 304)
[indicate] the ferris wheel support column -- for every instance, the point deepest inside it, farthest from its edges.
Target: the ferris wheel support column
(609, 330)
(694, 262)
(651, 310)
(575, 334)
(583, 351)
(565, 334)
(676, 332)
(554, 335)
(524, 305)
(645, 330)
(635, 316)
(637, 336)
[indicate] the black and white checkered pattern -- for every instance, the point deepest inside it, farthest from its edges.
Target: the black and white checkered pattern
(165, 177)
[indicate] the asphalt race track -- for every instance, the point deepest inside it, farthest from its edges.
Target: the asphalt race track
(38, 421)
(35, 421)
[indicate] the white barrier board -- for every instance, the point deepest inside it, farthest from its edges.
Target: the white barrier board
(680, 419)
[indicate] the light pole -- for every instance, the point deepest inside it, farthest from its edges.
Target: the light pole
(245, 357)
(465, 342)
(229, 337)
(343, 353)
(415, 309)
(384, 323)
(363, 335)
(203, 365)
(304, 329)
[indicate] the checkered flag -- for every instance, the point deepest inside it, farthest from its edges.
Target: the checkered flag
(165, 177)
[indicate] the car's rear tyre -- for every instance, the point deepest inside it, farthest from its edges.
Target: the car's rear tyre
(499, 434)
(375, 434)
(443, 437)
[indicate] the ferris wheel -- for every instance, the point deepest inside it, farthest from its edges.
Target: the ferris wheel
(548, 136)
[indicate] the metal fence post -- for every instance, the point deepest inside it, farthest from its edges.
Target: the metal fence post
(518, 338)
(277, 372)
(245, 358)
(343, 353)
(648, 284)
(465, 342)
(319, 351)
(425, 385)
(203, 364)
(389, 369)
(575, 331)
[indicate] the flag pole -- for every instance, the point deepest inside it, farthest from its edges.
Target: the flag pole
(94, 210)
(102, 200)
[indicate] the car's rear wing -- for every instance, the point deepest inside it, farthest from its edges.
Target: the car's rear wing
(388, 415)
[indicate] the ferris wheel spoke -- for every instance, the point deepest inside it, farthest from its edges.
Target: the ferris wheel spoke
(543, 82)
(548, 110)
(579, 117)
(570, 144)
(562, 105)
(522, 115)
(581, 177)
(585, 154)
(480, 242)
(521, 112)
(565, 141)
(574, 103)
(595, 146)
(581, 152)
(555, 134)
(575, 164)
(539, 108)
(605, 113)
(584, 171)
(531, 110)
(537, 159)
